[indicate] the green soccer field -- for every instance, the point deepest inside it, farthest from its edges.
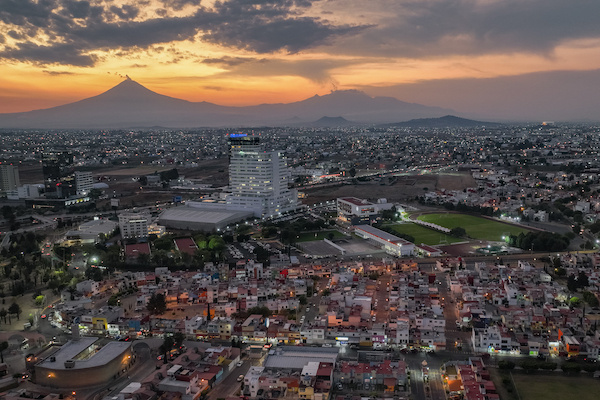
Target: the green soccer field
(424, 235)
(556, 387)
(476, 227)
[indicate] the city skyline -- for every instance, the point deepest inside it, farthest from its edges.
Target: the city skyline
(494, 59)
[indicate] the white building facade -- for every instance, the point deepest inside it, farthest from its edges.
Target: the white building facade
(134, 225)
(83, 182)
(391, 244)
(9, 178)
(258, 179)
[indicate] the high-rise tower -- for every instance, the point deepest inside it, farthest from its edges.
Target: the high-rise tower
(9, 178)
(258, 179)
(59, 181)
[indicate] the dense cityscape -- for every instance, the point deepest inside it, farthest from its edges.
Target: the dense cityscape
(299, 200)
(298, 263)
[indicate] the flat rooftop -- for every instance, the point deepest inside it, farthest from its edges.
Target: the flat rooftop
(356, 201)
(382, 234)
(293, 357)
(74, 348)
(208, 215)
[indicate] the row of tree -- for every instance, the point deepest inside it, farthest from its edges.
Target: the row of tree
(13, 309)
(540, 241)
(530, 365)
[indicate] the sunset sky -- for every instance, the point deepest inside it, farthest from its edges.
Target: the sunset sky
(494, 58)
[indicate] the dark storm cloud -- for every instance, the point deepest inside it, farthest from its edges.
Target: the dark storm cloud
(78, 9)
(318, 71)
(57, 72)
(125, 12)
(56, 54)
(261, 26)
(265, 36)
(14, 35)
(227, 61)
(425, 28)
(26, 12)
(507, 24)
(179, 4)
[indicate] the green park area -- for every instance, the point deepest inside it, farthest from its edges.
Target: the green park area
(556, 387)
(422, 234)
(310, 236)
(476, 227)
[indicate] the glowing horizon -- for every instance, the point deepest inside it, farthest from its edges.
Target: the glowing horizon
(239, 53)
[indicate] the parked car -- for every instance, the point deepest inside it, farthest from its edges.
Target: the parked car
(240, 363)
(240, 378)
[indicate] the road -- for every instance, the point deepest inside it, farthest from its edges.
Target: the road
(310, 311)
(229, 386)
(143, 367)
(381, 305)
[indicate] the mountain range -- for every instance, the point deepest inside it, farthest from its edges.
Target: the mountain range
(131, 105)
(447, 121)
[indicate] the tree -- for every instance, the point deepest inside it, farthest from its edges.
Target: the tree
(178, 337)
(157, 303)
(95, 193)
(164, 243)
(548, 365)
(169, 175)
(15, 309)
(216, 243)
(166, 347)
(94, 274)
(262, 255)
(39, 300)
(113, 300)
(574, 301)
(458, 232)
(3, 346)
(590, 298)
(570, 368)
(143, 259)
(582, 280)
(506, 364)
(264, 311)
(302, 299)
(560, 271)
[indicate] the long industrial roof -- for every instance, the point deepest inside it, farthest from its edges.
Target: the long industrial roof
(208, 216)
(71, 349)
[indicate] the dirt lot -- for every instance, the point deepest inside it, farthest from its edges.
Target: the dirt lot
(215, 173)
(405, 188)
(210, 171)
(30, 173)
(455, 181)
